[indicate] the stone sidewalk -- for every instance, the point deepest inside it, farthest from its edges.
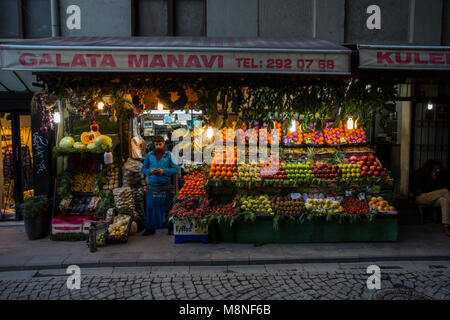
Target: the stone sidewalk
(420, 280)
(416, 242)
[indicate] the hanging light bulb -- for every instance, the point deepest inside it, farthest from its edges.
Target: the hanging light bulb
(209, 132)
(350, 123)
(430, 106)
(293, 127)
(160, 106)
(56, 117)
(100, 105)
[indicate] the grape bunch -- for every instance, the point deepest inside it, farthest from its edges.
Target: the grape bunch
(190, 209)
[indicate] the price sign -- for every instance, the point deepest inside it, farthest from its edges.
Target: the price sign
(295, 196)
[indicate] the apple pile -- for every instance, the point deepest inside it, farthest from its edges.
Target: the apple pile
(257, 204)
(353, 205)
(247, 171)
(326, 171)
(297, 170)
(350, 171)
(267, 174)
(369, 166)
(223, 210)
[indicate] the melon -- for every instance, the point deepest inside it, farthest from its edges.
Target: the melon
(79, 145)
(91, 146)
(103, 140)
(66, 142)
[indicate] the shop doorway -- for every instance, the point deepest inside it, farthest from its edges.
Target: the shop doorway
(16, 163)
(431, 134)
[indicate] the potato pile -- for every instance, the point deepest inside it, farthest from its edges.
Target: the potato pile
(138, 195)
(112, 177)
(123, 198)
(285, 205)
(132, 176)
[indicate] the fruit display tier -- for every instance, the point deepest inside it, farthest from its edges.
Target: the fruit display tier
(261, 231)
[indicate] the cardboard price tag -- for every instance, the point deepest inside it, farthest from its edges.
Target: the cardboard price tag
(295, 196)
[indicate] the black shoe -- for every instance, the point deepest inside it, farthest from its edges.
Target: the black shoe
(149, 232)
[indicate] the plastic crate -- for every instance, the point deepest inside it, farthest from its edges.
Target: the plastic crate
(190, 238)
(122, 239)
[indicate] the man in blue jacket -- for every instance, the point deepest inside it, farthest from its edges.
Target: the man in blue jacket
(159, 166)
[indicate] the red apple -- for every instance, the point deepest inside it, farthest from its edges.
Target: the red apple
(372, 157)
(353, 159)
(376, 173)
(383, 173)
(379, 168)
(363, 173)
(365, 168)
(370, 173)
(372, 168)
(363, 158)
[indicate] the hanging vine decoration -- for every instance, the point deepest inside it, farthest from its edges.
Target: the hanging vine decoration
(44, 102)
(261, 99)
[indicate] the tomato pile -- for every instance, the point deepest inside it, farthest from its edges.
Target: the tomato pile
(352, 205)
(194, 185)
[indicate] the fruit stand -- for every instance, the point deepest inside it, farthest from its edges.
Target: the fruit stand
(328, 186)
(340, 193)
(93, 186)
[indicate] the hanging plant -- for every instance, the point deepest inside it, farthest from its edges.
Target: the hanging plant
(44, 102)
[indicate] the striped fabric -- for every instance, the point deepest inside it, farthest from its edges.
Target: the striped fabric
(173, 42)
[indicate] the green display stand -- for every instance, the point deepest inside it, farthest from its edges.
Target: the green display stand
(262, 231)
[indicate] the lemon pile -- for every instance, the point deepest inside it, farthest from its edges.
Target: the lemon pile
(119, 226)
(326, 205)
(83, 182)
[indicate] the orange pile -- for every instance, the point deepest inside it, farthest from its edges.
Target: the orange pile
(355, 136)
(194, 186)
(332, 135)
(225, 170)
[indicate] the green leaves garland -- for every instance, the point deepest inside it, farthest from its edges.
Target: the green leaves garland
(263, 99)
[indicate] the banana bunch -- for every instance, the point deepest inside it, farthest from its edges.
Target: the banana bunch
(83, 182)
(305, 129)
(337, 123)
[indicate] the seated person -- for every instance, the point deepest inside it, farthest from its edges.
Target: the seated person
(430, 190)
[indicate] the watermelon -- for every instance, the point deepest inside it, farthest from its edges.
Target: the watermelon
(66, 142)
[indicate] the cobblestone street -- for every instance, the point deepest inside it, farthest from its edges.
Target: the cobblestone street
(336, 281)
